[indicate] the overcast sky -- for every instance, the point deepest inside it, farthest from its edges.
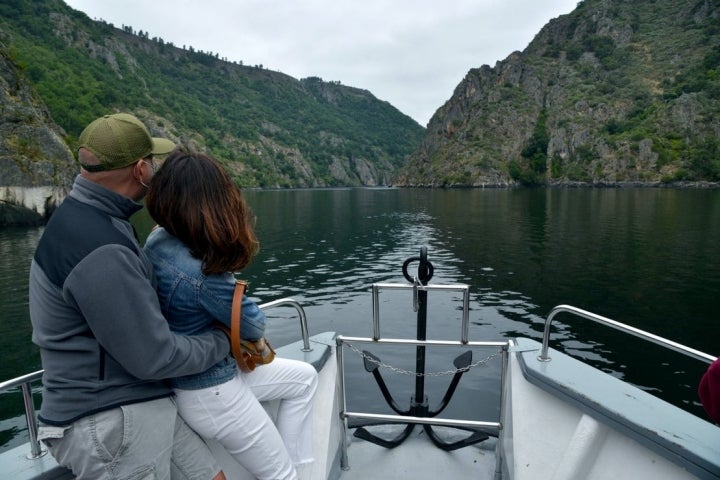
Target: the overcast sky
(411, 53)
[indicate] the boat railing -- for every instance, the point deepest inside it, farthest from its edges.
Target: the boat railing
(25, 381)
(690, 352)
(346, 415)
(289, 302)
(418, 287)
(341, 340)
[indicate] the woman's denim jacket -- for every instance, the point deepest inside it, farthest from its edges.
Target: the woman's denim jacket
(191, 301)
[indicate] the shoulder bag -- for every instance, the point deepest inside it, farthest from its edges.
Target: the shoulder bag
(248, 353)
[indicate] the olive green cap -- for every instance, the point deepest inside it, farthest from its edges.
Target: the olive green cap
(119, 140)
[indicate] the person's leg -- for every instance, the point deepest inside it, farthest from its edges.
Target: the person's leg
(232, 415)
(294, 383)
(191, 457)
(133, 441)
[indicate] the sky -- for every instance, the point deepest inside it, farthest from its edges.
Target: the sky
(410, 53)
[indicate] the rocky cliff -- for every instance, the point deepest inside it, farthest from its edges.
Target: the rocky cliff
(615, 92)
(36, 164)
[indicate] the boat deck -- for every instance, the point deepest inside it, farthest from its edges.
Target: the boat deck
(419, 459)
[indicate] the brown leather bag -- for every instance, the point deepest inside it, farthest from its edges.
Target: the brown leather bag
(248, 353)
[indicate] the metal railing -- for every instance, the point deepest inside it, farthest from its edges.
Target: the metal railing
(416, 287)
(25, 381)
(690, 352)
(289, 302)
(345, 414)
(377, 340)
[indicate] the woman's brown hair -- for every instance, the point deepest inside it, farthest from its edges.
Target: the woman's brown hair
(195, 200)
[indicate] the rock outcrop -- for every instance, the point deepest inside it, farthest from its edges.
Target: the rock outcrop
(614, 92)
(36, 164)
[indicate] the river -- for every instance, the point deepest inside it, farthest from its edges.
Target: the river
(648, 257)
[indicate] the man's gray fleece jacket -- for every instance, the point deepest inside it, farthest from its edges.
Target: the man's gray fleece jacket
(95, 315)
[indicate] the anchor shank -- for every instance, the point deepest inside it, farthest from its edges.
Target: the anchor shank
(420, 349)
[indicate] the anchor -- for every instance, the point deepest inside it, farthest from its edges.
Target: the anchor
(419, 406)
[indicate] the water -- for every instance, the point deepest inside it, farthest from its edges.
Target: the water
(646, 257)
(17, 353)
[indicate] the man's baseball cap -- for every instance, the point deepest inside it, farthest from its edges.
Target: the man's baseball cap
(119, 140)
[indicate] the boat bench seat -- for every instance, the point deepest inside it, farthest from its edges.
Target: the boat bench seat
(658, 425)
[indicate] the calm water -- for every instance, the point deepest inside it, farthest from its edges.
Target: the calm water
(646, 257)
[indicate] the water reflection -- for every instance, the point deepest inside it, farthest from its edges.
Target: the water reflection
(17, 246)
(19, 355)
(645, 257)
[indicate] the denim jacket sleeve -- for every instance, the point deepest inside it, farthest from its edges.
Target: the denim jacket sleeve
(215, 296)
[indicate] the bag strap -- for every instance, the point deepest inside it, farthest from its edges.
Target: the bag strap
(235, 320)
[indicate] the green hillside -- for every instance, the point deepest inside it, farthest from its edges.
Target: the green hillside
(271, 130)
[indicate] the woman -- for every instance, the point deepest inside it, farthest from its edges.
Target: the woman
(206, 234)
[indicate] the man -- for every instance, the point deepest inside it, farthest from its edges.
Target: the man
(104, 344)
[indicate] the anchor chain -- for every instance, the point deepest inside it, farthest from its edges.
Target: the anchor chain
(424, 374)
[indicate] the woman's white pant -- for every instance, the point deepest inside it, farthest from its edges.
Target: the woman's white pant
(231, 413)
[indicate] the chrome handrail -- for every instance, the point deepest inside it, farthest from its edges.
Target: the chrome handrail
(690, 352)
(289, 302)
(459, 287)
(441, 422)
(19, 381)
(36, 450)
